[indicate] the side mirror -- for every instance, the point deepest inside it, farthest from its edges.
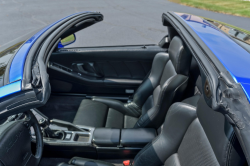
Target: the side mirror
(67, 41)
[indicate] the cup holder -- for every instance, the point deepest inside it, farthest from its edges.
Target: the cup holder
(81, 137)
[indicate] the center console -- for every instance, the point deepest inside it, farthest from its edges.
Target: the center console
(64, 139)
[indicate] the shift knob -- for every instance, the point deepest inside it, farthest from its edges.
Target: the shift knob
(48, 132)
(43, 123)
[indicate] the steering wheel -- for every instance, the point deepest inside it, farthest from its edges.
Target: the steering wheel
(15, 142)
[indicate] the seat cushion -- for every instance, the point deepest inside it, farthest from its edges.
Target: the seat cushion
(91, 113)
(85, 162)
(114, 119)
(96, 114)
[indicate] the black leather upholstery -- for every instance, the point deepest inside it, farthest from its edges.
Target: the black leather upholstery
(179, 56)
(110, 137)
(193, 136)
(106, 137)
(137, 137)
(165, 84)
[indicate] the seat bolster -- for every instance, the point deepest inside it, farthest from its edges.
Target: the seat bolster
(147, 87)
(88, 162)
(171, 92)
(118, 105)
(180, 56)
(177, 121)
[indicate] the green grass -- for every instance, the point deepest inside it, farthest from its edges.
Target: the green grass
(234, 7)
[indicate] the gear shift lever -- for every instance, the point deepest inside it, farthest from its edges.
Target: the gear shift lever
(48, 132)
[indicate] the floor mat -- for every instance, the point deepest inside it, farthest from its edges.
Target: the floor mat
(61, 107)
(52, 161)
(55, 161)
(117, 162)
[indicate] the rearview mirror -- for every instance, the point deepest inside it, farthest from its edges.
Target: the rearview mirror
(67, 41)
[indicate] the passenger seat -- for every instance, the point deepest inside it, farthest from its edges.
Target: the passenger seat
(165, 85)
(190, 137)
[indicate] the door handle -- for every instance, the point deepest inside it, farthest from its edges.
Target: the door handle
(86, 69)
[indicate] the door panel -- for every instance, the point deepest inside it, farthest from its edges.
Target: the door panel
(124, 69)
(101, 71)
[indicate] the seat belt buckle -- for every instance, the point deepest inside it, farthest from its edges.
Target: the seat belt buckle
(127, 163)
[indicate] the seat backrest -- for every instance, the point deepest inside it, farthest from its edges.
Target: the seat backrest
(165, 84)
(191, 137)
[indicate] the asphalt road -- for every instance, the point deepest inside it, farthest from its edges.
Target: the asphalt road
(126, 22)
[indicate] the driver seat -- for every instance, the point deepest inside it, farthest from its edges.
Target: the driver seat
(165, 85)
(190, 137)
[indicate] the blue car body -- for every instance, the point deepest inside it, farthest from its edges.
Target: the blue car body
(39, 76)
(17, 64)
(235, 58)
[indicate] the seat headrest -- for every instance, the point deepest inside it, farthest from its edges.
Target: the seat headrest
(180, 56)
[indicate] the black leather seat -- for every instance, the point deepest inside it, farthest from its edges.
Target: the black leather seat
(165, 85)
(191, 136)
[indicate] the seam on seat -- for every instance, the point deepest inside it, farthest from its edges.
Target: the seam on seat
(123, 123)
(157, 105)
(152, 143)
(146, 148)
(162, 69)
(232, 140)
(227, 149)
(106, 117)
(3, 162)
(186, 133)
(204, 132)
(161, 98)
(130, 107)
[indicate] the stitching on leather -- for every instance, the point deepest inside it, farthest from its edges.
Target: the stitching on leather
(186, 132)
(3, 162)
(160, 101)
(143, 150)
(159, 104)
(161, 135)
(106, 117)
(145, 72)
(128, 69)
(227, 149)
(133, 108)
(231, 149)
(113, 68)
(157, 110)
(162, 69)
(232, 140)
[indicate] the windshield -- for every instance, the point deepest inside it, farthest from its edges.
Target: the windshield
(242, 35)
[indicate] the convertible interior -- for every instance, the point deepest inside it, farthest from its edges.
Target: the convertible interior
(143, 104)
